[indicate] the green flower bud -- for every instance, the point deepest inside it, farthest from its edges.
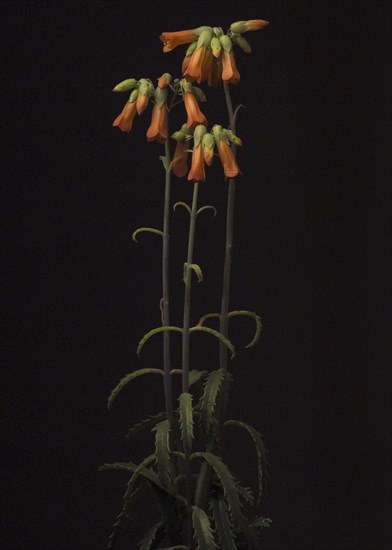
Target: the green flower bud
(208, 141)
(198, 134)
(133, 96)
(126, 85)
(216, 46)
(239, 26)
(160, 96)
(178, 136)
(241, 42)
(217, 132)
(200, 95)
(186, 86)
(186, 130)
(204, 39)
(232, 137)
(199, 30)
(218, 31)
(226, 43)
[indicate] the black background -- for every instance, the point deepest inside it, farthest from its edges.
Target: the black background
(310, 255)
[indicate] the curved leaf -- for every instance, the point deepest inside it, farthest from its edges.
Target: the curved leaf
(150, 536)
(227, 482)
(208, 399)
(184, 204)
(146, 423)
(195, 375)
(260, 451)
(203, 532)
(207, 316)
(138, 469)
(217, 334)
(152, 333)
(147, 230)
(131, 376)
(162, 452)
(223, 523)
(186, 420)
(257, 320)
(196, 268)
(207, 207)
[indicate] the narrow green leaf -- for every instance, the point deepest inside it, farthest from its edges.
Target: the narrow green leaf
(131, 376)
(149, 422)
(207, 316)
(145, 230)
(150, 536)
(196, 268)
(186, 420)
(208, 399)
(203, 531)
(152, 333)
(260, 451)
(217, 334)
(207, 207)
(257, 320)
(185, 205)
(139, 470)
(165, 163)
(195, 375)
(228, 485)
(223, 523)
(162, 452)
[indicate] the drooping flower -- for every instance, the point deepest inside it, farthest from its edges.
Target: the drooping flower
(158, 127)
(180, 159)
(229, 68)
(146, 90)
(197, 171)
(226, 155)
(125, 119)
(126, 85)
(195, 116)
(208, 148)
(250, 25)
(173, 39)
(200, 60)
(215, 75)
(188, 54)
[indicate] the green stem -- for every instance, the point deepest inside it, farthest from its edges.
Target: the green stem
(185, 354)
(224, 319)
(165, 291)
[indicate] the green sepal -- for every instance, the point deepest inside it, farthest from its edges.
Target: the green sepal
(241, 42)
(186, 420)
(226, 43)
(127, 378)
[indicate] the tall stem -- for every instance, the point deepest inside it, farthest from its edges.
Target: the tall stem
(165, 290)
(185, 353)
(224, 320)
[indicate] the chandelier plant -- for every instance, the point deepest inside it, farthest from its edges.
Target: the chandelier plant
(201, 502)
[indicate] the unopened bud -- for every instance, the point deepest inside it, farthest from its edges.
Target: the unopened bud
(226, 43)
(232, 137)
(164, 80)
(199, 30)
(218, 31)
(178, 136)
(216, 46)
(186, 86)
(186, 130)
(250, 25)
(218, 134)
(198, 134)
(133, 96)
(191, 49)
(205, 39)
(126, 85)
(241, 42)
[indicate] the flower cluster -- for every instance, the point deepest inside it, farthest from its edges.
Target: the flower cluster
(204, 144)
(143, 91)
(210, 56)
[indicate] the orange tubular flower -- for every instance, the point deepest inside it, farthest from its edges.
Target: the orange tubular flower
(229, 68)
(197, 172)
(125, 118)
(195, 116)
(228, 160)
(215, 75)
(200, 60)
(180, 159)
(173, 39)
(158, 127)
